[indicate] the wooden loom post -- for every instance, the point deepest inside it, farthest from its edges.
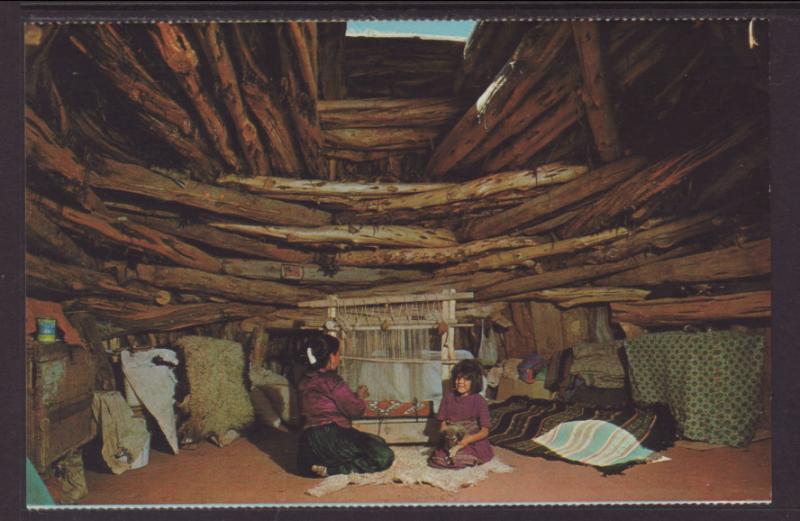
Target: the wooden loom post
(448, 340)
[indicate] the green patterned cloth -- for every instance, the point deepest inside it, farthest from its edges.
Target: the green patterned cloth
(710, 381)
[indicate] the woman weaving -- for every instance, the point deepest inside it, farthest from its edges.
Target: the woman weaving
(329, 444)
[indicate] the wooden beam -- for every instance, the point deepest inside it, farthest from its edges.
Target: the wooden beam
(747, 260)
(571, 297)
(332, 74)
(388, 112)
(556, 199)
(594, 93)
(691, 310)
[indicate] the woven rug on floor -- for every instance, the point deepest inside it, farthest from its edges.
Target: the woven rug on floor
(520, 423)
(410, 467)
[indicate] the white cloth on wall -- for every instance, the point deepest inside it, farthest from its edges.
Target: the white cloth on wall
(154, 385)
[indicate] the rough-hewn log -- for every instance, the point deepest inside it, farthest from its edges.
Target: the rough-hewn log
(41, 92)
(227, 85)
(380, 138)
(523, 181)
(301, 97)
(388, 112)
(648, 183)
(748, 260)
(401, 67)
(520, 288)
(457, 282)
(179, 55)
(555, 199)
(412, 256)
(594, 94)
(314, 275)
(409, 236)
(691, 310)
(134, 317)
(123, 177)
(90, 333)
(45, 236)
(264, 104)
(131, 235)
(226, 241)
(43, 151)
(43, 276)
(226, 286)
(520, 256)
(512, 84)
(318, 191)
(104, 45)
(570, 297)
(657, 234)
(332, 75)
(487, 49)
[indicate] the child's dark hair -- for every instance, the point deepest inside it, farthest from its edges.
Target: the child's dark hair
(471, 370)
(317, 349)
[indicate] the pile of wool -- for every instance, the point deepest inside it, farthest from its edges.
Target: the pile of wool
(218, 404)
(410, 467)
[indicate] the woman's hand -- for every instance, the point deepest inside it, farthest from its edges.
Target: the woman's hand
(362, 391)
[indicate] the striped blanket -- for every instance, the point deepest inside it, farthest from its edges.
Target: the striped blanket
(608, 439)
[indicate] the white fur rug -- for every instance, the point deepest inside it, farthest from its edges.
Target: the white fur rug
(410, 467)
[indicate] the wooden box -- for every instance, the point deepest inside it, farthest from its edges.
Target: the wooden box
(59, 389)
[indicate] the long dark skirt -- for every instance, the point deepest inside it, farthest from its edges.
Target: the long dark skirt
(342, 451)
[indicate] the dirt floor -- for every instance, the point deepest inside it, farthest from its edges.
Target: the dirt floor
(260, 469)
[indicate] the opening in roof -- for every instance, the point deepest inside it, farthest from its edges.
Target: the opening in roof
(458, 30)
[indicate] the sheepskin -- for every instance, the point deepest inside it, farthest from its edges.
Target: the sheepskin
(218, 401)
(410, 467)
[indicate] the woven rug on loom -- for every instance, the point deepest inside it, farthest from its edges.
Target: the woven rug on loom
(614, 439)
(410, 467)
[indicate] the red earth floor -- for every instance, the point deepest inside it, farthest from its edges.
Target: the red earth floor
(261, 470)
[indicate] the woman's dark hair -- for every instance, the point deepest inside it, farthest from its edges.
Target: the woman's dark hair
(471, 370)
(317, 349)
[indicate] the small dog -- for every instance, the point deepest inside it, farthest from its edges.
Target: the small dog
(452, 434)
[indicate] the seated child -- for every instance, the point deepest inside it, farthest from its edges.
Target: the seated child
(464, 414)
(329, 444)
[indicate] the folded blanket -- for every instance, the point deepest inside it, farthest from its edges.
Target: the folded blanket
(518, 423)
(599, 364)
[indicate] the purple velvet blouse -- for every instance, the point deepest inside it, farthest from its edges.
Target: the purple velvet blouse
(472, 410)
(326, 398)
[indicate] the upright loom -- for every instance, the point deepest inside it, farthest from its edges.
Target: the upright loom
(402, 348)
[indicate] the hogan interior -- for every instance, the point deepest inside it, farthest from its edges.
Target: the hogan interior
(579, 181)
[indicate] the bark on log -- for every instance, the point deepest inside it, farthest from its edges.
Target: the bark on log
(487, 49)
(570, 297)
(512, 84)
(225, 286)
(380, 139)
(748, 260)
(179, 55)
(399, 236)
(122, 177)
(555, 199)
(691, 310)
(412, 256)
(523, 181)
(312, 274)
(520, 288)
(90, 333)
(458, 282)
(648, 183)
(524, 255)
(301, 98)
(43, 151)
(131, 235)
(264, 104)
(43, 276)
(227, 85)
(226, 241)
(45, 236)
(332, 75)
(594, 94)
(107, 49)
(339, 193)
(133, 317)
(388, 112)
(741, 166)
